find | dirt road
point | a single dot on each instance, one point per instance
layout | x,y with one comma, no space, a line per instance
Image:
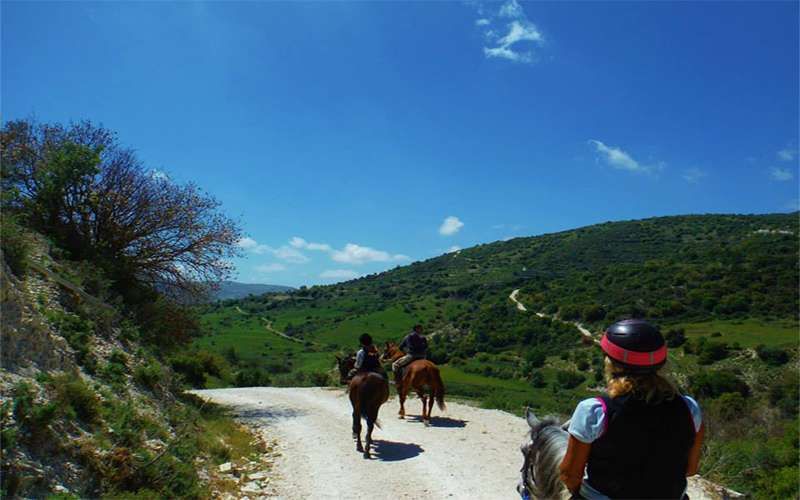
467,452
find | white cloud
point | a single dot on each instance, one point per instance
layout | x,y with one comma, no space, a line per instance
250,245
619,159
299,242
450,226
781,174
270,268
357,254
454,248
285,252
339,274
787,154
520,37
693,175
290,254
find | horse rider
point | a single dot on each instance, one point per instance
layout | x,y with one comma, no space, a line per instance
643,438
367,359
415,346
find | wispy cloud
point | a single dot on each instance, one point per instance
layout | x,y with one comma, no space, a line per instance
509,33
270,268
450,226
357,254
339,274
284,252
693,175
787,154
781,174
298,242
619,159
454,248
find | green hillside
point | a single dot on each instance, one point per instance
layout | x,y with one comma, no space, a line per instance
722,287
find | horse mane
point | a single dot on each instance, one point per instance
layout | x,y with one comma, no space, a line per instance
545,453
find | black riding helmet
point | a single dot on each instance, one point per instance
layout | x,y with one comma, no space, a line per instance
365,339
636,345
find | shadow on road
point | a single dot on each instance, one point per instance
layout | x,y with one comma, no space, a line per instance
390,451
440,421
267,413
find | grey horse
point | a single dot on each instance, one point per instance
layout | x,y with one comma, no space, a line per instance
543,453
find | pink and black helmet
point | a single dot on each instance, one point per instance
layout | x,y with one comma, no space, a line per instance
636,345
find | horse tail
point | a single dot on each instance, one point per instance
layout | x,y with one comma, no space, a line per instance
439,391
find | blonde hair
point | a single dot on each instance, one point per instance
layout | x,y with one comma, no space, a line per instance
652,387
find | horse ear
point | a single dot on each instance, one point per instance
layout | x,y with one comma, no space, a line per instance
531,418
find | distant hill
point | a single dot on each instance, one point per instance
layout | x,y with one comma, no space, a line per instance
236,290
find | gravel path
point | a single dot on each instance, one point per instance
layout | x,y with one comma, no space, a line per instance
466,453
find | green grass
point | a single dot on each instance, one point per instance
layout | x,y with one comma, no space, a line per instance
748,332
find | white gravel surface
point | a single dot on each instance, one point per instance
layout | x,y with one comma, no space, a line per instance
467,452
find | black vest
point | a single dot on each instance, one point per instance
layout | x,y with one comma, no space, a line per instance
371,361
644,450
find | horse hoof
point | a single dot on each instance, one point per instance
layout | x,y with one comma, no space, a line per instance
359,448
427,423
367,455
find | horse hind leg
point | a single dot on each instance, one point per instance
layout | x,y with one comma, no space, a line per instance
357,429
424,400
402,398
370,426
430,406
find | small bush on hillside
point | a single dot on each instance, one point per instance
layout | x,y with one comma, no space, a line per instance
34,418
675,337
784,393
711,384
569,380
537,379
710,352
190,369
78,332
251,377
15,244
76,398
148,375
774,356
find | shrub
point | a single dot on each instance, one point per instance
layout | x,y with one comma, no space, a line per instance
34,418
535,357
190,368
675,337
15,244
148,375
251,377
774,356
710,384
537,379
709,352
569,380
77,398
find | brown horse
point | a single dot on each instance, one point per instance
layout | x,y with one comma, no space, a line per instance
367,391
420,375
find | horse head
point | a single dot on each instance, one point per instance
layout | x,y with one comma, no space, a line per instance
390,352
543,453
345,365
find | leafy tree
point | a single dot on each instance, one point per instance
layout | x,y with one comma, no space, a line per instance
98,202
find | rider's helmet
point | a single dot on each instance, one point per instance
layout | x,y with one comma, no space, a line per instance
636,345
365,339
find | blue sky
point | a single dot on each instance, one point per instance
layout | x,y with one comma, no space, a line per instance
349,138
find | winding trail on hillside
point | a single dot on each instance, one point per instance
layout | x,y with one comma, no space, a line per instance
467,453
521,307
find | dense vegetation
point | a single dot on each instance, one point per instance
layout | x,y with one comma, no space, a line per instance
722,287
91,240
